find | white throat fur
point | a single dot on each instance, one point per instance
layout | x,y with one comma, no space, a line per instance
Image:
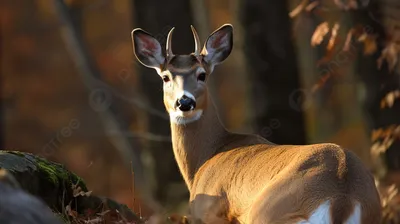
182,118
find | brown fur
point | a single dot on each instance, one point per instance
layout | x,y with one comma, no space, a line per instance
244,178
259,182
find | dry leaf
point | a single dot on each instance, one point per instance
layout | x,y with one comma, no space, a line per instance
77,191
391,131
178,219
389,99
321,82
390,55
333,39
103,213
296,11
312,6
369,41
349,37
95,220
377,148
319,33
390,200
383,138
71,212
305,5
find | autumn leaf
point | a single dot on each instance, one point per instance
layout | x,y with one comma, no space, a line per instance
390,200
95,220
178,219
298,9
381,147
77,191
71,212
333,39
369,41
319,33
390,55
312,6
390,98
321,82
103,213
382,133
318,36
383,139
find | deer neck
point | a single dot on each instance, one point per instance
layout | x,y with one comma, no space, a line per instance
198,141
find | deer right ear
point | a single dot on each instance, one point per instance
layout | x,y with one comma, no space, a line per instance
147,49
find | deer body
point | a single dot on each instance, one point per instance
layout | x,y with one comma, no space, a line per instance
244,178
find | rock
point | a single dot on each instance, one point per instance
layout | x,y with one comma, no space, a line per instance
19,207
47,180
63,191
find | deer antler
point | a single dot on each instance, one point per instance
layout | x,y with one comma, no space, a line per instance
169,42
196,41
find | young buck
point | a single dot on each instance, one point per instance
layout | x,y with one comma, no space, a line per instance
243,178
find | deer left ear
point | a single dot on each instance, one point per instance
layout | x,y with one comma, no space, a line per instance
218,45
147,49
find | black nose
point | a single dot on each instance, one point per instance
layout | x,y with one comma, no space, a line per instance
185,103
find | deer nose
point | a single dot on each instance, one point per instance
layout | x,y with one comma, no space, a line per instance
185,103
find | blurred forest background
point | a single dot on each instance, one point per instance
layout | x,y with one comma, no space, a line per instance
301,72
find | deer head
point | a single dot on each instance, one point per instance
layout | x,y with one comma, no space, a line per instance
184,76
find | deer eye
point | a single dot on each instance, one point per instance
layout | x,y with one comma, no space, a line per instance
202,77
165,78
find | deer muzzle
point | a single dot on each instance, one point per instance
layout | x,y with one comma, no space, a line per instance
185,103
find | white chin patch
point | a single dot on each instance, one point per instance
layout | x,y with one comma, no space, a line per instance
179,117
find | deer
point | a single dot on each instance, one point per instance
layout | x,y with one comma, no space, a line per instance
242,177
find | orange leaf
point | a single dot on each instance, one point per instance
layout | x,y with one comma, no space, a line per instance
390,55
319,34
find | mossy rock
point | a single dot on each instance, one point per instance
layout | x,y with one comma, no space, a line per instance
53,183
47,180
17,206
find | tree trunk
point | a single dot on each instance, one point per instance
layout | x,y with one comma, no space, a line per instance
272,60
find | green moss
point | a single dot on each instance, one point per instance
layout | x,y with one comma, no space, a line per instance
78,181
50,171
57,174
45,179
16,153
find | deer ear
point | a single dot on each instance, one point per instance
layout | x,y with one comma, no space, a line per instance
218,45
147,49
